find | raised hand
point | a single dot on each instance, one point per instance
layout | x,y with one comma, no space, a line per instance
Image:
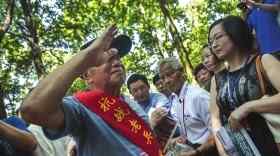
101,45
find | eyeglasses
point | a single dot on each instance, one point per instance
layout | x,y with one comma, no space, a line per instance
216,37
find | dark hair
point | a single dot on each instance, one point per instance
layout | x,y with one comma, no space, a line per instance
156,78
135,77
199,67
238,31
205,46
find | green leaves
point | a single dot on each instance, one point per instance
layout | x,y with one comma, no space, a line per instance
158,28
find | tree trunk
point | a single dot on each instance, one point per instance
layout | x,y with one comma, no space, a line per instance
33,40
182,51
3,113
8,18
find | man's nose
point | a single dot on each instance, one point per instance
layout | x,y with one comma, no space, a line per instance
166,81
116,62
139,93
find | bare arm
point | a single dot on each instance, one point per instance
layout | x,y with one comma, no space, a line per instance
268,104
264,105
43,105
20,139
215,117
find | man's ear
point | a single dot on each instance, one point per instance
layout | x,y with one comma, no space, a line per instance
87,76
84,76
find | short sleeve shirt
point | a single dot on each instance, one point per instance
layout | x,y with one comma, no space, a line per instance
266,27
93,136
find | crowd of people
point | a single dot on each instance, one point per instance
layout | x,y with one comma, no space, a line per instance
233,111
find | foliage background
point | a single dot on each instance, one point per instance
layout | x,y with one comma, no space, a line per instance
38,35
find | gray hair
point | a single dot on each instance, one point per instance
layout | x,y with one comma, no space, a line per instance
172,62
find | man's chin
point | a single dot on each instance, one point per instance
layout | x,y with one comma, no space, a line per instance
172,89
119,81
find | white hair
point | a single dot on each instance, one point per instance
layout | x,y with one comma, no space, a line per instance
172,62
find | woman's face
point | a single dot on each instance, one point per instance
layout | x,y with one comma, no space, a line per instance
209,60
220,42
203,76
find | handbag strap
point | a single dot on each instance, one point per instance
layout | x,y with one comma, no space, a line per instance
261,75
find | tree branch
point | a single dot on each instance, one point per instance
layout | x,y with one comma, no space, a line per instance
8,19
175,33
3,113
34,39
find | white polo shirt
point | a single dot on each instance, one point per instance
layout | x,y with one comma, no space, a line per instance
191,109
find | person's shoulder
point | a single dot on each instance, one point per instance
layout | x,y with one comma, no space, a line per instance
269,62
128,99
158,95
70,99
11,118
14,120
131,102
197,93
267,57
271,1
199,97
72,107
72,102
33,128
135,107
196,90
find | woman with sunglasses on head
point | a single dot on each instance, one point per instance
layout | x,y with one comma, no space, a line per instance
235,91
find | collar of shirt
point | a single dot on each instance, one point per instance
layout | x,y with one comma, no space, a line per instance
183,91
147,104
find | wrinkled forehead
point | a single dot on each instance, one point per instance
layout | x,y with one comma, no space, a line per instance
165,68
